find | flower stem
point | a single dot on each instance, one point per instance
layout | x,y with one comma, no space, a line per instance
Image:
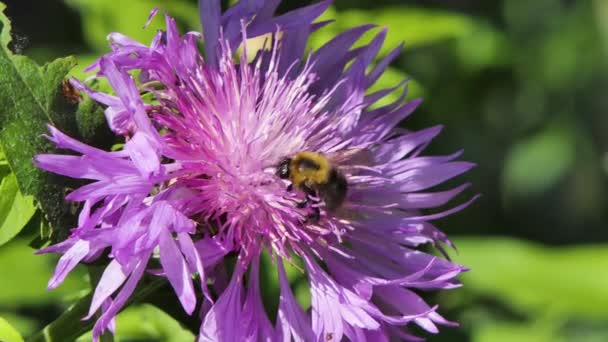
69,326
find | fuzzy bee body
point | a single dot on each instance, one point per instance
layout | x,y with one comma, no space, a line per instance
314,174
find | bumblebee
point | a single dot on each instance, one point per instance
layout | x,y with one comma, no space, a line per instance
315,175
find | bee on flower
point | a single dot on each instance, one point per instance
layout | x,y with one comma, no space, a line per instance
277,151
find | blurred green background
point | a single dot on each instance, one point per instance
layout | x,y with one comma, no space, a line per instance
521,85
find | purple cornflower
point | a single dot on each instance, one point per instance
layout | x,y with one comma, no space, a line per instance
196,186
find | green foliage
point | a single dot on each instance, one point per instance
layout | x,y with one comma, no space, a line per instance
507,332
15,209
32,99
29,101
414,26
392,77
84,61
100,17
8,333
269,284
5,32
567,281
270,287
521,291
147,323
69,326
483,47
29,275
538,162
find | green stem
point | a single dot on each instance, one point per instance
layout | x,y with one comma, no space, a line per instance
69,326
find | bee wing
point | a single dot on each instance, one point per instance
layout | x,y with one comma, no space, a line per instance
352,156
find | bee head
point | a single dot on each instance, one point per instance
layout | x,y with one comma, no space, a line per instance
283,168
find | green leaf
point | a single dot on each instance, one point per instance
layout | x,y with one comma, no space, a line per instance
5,27
69,326
5,170
83,62
484,47
150,323
536,164
8,333
392,77
24,325
544,331
30,98
29,274
533,279
147,323
301,291
15,209
100,17
414,26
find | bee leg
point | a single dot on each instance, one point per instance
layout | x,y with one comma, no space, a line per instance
314,216
308,198
308,191
302,204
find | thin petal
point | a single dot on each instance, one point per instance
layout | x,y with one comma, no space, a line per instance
175,268
106,319
68,261
112,278
210,13
222,321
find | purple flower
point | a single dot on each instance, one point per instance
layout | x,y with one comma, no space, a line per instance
196,181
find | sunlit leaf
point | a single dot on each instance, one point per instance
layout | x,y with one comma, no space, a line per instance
147,323
521,332
392,77
5,32
414,26
83,62
69,325
302,293
150,323
15,209
24,325
25,277
568,281
8,333
100,17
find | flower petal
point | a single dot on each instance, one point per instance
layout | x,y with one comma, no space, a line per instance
292,322
177,271
112,278
68,261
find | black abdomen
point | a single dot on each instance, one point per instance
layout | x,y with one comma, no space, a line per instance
334,191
